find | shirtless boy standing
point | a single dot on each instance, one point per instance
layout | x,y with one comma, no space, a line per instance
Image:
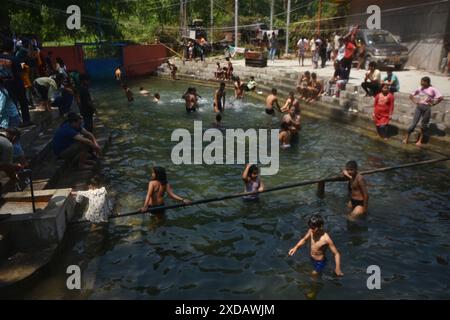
359,196
219,99
293,121
191,100
271,102
320,240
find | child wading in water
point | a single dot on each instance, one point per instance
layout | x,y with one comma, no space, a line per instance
383,109
320,240
128,93
252,182
359,196
157,188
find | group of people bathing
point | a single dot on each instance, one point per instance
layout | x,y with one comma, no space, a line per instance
159,186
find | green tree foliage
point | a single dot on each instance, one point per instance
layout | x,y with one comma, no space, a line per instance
144,20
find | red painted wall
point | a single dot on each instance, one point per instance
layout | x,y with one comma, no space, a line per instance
140,60
72,56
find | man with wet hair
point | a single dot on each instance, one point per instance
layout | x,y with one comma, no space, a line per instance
320,240
219,99
271,102
359,196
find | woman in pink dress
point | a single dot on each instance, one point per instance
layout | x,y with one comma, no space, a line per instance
383,109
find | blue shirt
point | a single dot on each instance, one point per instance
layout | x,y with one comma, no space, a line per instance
395,82
64,138
7,108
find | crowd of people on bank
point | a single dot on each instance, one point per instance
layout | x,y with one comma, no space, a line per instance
31,78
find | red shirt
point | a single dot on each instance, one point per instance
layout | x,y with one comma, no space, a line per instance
383,108
349,50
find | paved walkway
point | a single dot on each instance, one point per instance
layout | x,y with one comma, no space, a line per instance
409,79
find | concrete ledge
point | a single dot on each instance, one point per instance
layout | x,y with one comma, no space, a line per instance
44,227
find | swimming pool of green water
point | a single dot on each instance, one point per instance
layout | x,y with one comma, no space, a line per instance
238,250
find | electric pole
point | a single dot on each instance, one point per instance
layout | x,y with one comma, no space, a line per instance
271,14
319,17
236,11
212,23
288,21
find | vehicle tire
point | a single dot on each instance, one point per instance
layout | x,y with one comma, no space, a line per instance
400,67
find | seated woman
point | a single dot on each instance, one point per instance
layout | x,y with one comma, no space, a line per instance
315,90
157,188
285,136
252,181
304,81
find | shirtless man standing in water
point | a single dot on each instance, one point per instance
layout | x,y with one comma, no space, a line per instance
293,121
219,99
320,240
191,100
291,101
271,102
359,200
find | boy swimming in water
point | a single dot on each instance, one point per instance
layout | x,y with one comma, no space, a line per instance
320,240
157,188
359,196
252,182
144,92
156,98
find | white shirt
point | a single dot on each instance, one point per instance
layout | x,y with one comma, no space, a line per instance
99,207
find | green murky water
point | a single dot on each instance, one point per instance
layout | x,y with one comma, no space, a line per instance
236,250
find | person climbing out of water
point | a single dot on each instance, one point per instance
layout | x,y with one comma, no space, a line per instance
252,182
285,136
272,102
173,68
99,207
359,196
424,98
383,109
291,101
157,188
144,92
320,240
190,99
219,98
128,93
